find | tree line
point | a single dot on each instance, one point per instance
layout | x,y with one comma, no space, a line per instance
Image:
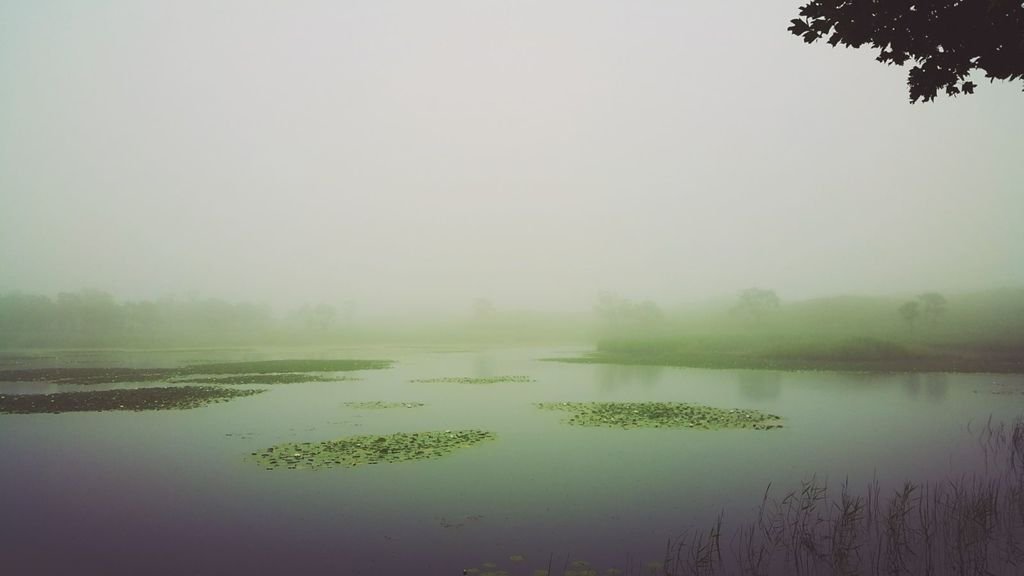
95,318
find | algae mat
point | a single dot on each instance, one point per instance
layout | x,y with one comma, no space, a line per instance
359,450
661,415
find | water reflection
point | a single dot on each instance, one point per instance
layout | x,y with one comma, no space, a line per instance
483,365
759,385
934,386
617,376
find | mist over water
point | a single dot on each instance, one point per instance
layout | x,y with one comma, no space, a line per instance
412,157
392,286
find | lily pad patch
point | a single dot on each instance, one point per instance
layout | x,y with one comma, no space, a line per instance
627,415
362,450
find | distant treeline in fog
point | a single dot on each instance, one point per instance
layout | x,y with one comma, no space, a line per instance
930,331
94,319
90,318
752,323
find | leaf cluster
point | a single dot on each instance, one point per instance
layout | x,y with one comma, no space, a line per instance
945,39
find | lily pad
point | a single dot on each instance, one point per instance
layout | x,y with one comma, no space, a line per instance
661,415
364,450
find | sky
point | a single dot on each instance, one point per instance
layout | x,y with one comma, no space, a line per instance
409,156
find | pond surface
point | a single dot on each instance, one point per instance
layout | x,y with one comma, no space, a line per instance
175,492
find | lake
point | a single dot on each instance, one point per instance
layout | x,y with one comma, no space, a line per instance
172,492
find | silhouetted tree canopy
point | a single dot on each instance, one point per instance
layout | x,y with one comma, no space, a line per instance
946,39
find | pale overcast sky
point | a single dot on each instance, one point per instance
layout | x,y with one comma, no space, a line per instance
411,155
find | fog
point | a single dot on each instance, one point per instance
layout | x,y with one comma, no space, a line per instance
410,157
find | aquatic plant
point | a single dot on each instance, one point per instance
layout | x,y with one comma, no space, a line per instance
379,405
84,376
285,366
284,378
971,525
359,450
661,415
259,372
473,379
136,399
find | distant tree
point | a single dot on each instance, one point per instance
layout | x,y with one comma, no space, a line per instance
611,308
320,317
933,304
483,309
910,311
619,312
324,316
946,39
647,312
755,303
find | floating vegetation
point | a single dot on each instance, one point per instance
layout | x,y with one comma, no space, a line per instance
84,375
473,380
137,399
661,415
357,450
260,372
379,405
286,366
285,378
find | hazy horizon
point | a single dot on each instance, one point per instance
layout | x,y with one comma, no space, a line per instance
412,157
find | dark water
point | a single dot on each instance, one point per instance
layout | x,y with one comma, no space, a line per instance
172,493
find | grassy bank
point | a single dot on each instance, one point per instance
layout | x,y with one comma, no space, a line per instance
979,332
782,352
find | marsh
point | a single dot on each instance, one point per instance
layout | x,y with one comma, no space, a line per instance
119,489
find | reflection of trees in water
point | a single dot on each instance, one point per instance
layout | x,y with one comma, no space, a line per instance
934,385
614,376
483,365
759,384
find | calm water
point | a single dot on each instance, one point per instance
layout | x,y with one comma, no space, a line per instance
172,493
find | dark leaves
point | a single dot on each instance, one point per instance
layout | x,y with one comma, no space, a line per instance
798,27
947,41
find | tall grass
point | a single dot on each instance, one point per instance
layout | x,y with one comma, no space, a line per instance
972,525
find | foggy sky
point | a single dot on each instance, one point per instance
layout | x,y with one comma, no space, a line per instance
412,155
